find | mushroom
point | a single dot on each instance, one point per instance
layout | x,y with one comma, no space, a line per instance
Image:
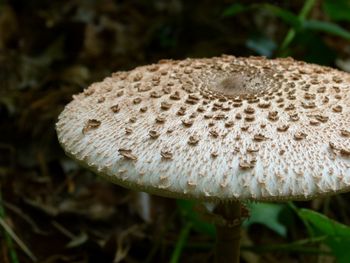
287,138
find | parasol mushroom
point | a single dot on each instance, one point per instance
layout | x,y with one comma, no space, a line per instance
222,130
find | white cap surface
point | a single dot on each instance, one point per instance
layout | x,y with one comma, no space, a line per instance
223,128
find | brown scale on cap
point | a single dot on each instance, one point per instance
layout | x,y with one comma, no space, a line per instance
263,115
133,119
283,128
229,124
153,134
219,116
214,154
101,99
249,118
138,76
273,115
321,118
246,164
342,150
143,109
115,108
166,90
337,109
188,88
308,105
144,88
345,133
245,128
182,111
201,109
249,110
208,116
192,99
160,118
128,130
300,136
153,68
314,122
175,96
136,100
156,94
259,137
345,152
127,153
193,140
164,105
280,100
91,125
238,116
88,92
187,122
251,149
214,133
156,79
325,100
294,117
166,154
336,89
309,96
321,89
264,105
193,115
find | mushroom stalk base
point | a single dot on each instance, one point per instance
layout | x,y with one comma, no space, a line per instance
228,236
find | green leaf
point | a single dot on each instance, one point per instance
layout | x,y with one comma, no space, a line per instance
234,9
285,15
338,234
337,10
328,27
267,214
186,208
324,224
314,48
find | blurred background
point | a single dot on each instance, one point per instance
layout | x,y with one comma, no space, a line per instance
53,210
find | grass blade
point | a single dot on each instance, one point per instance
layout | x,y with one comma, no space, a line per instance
180,244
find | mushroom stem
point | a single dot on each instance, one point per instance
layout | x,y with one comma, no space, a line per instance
228,235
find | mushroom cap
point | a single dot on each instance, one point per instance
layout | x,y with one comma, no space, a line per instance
222,128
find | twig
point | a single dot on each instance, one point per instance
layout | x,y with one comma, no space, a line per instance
17,240
63,230
16,210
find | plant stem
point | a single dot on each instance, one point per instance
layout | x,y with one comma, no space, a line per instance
308,4
181,242
8,240
228,236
